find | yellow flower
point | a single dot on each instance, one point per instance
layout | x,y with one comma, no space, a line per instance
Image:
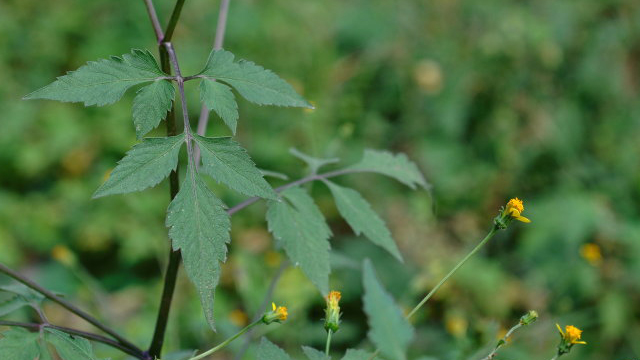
277,314
591,252
515,208
332,312
571,335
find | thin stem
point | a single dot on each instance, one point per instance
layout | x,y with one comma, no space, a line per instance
95,337
444,279
203,120
328,346
502,342
151,10
155,349
173,21
263,307
67,305
226,342
555,357
304,180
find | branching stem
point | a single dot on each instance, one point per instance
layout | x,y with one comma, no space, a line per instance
226,342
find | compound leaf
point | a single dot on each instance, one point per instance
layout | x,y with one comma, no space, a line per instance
389,330
362,219
151,104
252,81
297,223
104,81
396,166
226,161
145,165
269,351
219,98
12,304
199,227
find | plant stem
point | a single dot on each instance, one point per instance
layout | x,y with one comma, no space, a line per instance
502,342
67,305
444,279
173,21
226,342
203,120
265,303
328,346
154,20
95,337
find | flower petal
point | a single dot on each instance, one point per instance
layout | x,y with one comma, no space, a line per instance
523,219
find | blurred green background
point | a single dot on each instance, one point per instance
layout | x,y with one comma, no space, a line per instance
492,99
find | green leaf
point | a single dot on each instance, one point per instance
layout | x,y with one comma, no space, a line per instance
389,329
69,347
145,165
297,224
396,166
269,351
12,304
151,105
219,98
104,81
356,354
19,344
362,219
26,294
199,226
253,82
314,354
226,161
314,163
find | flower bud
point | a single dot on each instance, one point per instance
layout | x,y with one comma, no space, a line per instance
529,318
332,312
512,211
568,338
277,314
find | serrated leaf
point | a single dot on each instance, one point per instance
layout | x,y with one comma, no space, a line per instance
389,330
219,98
226,161
362,219
199,227
104,81
314,354
252,81
151,104
269,351
145,165
297,224
69,347
19,344
397,166
314,163
356,354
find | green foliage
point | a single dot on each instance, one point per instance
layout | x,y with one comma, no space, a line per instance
397,166
226,161
314,354
102,82
219,98
199,227
389,329
314,163
356,354
18,297
20,344
252,81
145,165
269,351
299,226
362,219
151,104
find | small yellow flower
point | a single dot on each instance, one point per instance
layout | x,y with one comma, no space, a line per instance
515,208
277,314
571,335
591,252
332,312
